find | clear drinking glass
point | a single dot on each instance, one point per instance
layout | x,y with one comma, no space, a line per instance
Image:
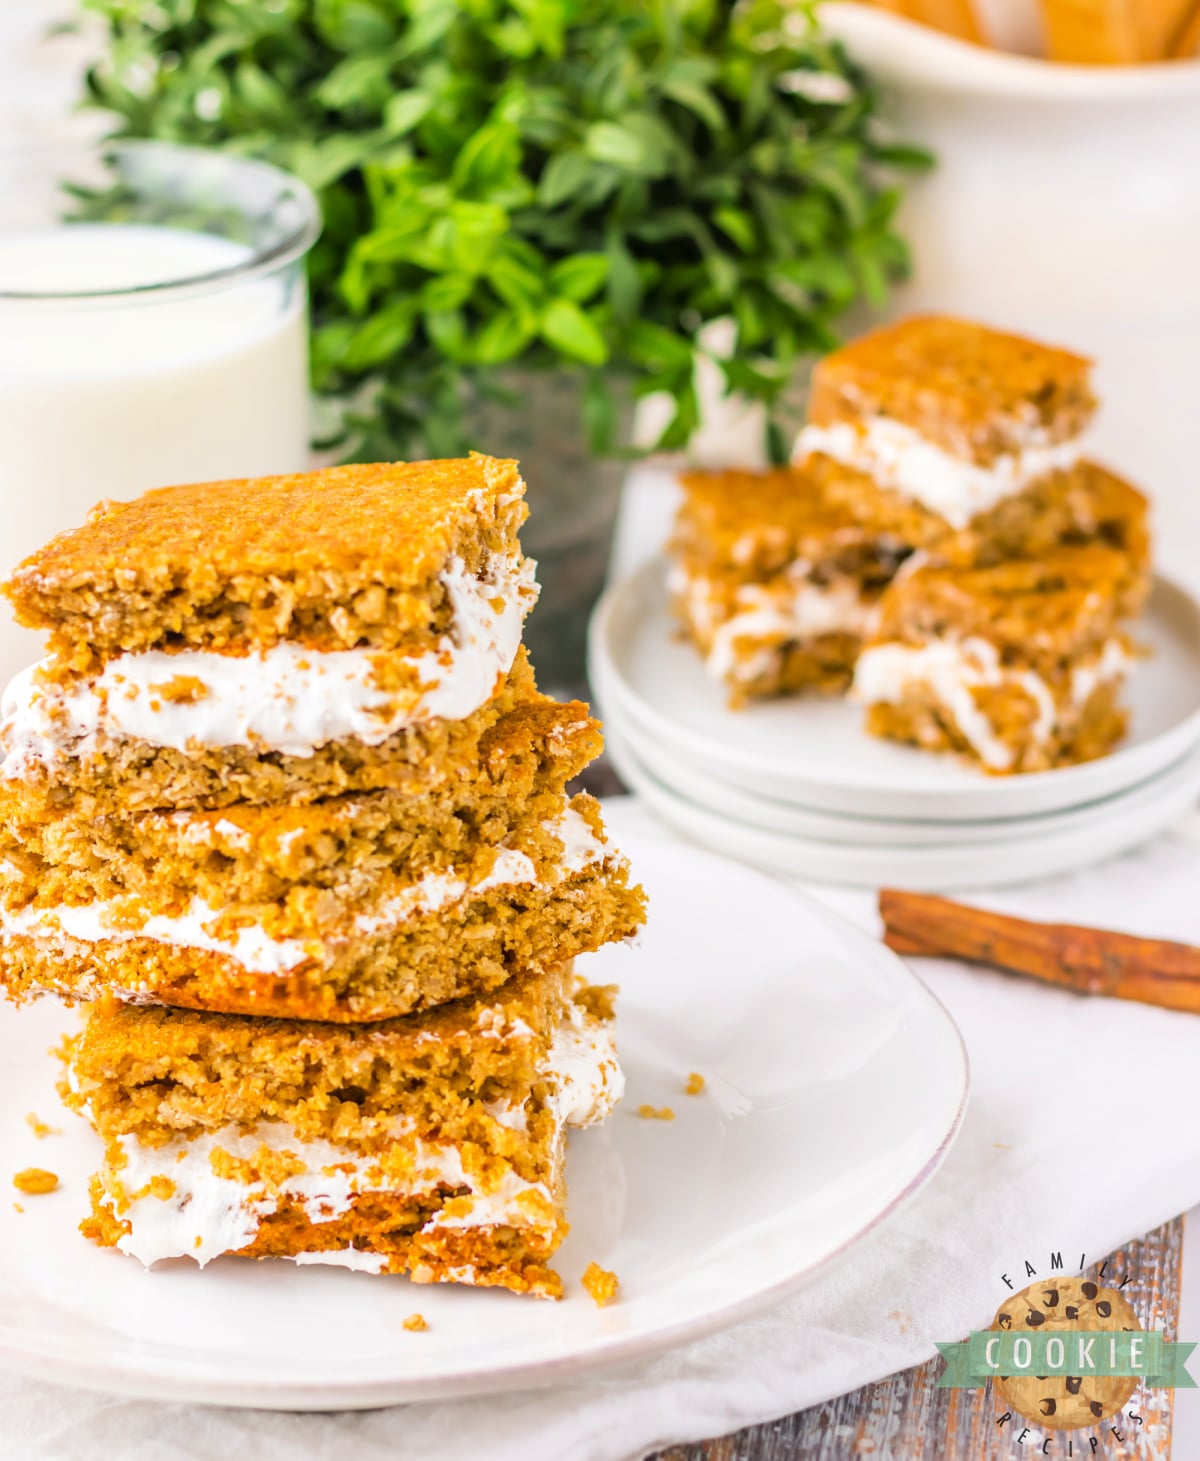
153,330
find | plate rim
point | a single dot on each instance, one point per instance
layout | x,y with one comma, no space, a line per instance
1049,790
626,731
123,1376
917,878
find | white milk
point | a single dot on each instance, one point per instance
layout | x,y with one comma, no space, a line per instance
104,399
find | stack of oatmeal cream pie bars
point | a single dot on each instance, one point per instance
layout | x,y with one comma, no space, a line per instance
284,809
940,548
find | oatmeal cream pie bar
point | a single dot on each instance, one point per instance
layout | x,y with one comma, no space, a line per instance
290,637
1018,666
774,579
431,1145
937,423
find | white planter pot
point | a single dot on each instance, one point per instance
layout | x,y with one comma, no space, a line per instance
1065,204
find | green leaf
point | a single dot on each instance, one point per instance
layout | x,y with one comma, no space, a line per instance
354,82
514,38
700,100
565,326
779,445
516,282
351,25
431,22
394,243
491,155
448,331
624,280
329,346
562,177
322,163
659,350
723,272
504,337
641,144
688,81
475,232
447,292
607,142
580,277
404,111
259,92
737,224
379,338
679,429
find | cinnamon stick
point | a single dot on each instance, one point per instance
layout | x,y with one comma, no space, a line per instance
1089,960
900,943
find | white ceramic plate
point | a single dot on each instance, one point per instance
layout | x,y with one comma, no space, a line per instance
1126,822
678,774
836,1084
814,753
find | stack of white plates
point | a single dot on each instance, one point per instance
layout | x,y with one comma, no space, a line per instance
797,786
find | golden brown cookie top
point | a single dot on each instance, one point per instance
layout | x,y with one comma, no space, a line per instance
1059,604
346,556
401,517
973,390
757,522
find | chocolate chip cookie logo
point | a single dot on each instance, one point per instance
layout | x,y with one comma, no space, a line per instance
1077,1313
1065,1354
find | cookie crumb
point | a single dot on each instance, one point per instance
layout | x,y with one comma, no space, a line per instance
41,1128
182,690
35,1179
656,1113
695,1084
600,1284
416,1323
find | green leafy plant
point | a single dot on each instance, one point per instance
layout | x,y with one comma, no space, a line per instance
536,183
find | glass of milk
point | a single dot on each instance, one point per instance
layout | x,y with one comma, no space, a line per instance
153,330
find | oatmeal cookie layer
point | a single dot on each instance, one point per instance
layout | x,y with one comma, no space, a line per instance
1041,612
346,846
164,1075
761,669
975,392
1079,733
1077,508
346,557
749,527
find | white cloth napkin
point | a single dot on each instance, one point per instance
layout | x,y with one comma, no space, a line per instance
1077,1138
